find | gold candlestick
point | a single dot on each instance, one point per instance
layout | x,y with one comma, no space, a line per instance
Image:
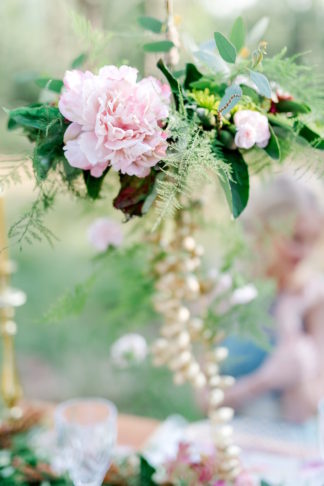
11,390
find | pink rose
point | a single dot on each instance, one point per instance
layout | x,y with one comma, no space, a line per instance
245,137
105,232
252,128
116,121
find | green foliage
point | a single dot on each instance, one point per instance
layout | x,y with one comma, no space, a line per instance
225,48
158,46
189,161
262,83
292,106
71,303
273,147
237,36
12,171
151,23
79,60
146,473
30,226
246,320
122,279
192,75
51,84
173,82
231,97
313,138
94,184
305,83
237,186
21,466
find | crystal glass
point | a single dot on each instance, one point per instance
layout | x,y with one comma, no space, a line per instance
86,432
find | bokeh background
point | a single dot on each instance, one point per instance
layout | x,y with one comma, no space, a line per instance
40,38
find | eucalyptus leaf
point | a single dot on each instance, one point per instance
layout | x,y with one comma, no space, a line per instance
257,32
213,61
273,147
251,93
51,84
237,36
158,46
225,48
232,96
262,83
151,23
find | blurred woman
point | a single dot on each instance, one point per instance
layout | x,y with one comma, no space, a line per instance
285,221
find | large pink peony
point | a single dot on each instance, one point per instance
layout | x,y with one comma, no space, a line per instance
116,120
252,129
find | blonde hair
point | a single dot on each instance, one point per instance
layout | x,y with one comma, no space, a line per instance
281,199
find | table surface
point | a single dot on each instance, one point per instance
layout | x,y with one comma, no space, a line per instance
135,431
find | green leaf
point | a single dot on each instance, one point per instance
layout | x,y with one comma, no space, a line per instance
225,48
273,147
291,106
313,138
262,83
146,473
237,36
192,75
173,82
158,46
251,93
94,184
151,23
79,61
231,97
38,116
51,84
239,182
214,62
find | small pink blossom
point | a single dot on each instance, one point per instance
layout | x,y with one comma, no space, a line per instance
116,120
252,128
105,232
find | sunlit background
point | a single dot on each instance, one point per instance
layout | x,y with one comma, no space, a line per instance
41,38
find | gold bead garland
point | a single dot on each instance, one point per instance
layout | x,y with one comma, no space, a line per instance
178,287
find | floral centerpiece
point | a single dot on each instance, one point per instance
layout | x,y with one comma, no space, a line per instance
223,115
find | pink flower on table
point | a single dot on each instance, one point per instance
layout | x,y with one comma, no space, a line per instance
116,120
105,232
252,129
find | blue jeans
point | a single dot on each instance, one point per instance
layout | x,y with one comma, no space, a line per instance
245,357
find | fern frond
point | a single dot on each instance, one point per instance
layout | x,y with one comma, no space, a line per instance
12,171
30,226
304,82
189,162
